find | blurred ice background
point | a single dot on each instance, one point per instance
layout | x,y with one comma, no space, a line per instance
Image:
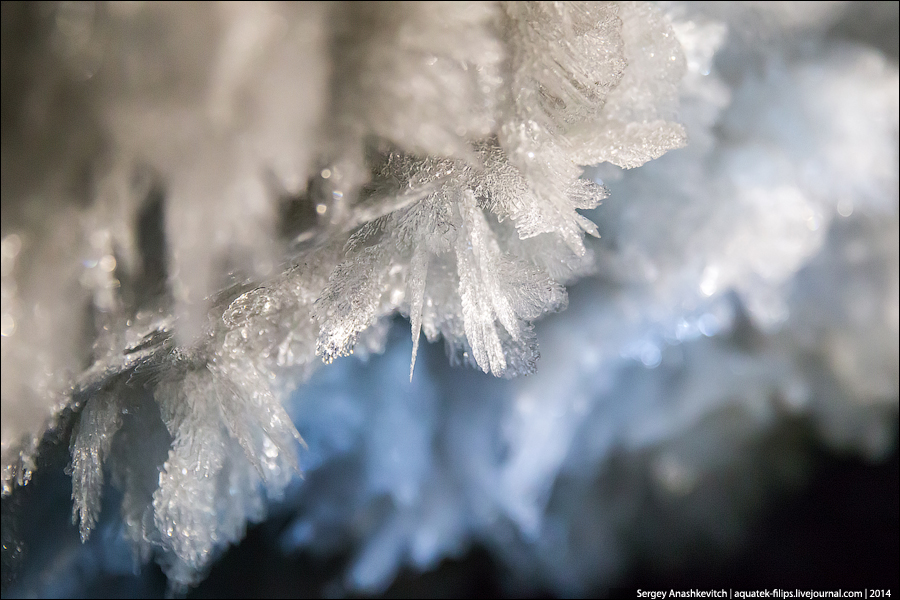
744,311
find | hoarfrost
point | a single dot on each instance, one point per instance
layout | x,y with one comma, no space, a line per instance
268,184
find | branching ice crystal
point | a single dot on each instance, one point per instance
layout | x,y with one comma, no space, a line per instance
203,202
298,174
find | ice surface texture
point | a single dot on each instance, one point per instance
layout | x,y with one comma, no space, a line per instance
199,201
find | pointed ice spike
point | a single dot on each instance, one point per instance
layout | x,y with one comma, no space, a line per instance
416,287
412,362
90,447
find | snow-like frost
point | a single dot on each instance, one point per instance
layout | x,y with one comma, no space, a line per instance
298,174
388,265
270,183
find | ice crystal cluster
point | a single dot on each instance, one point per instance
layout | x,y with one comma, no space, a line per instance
201,203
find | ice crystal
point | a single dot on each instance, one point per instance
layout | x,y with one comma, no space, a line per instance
473,282
562,61
201,202
417,158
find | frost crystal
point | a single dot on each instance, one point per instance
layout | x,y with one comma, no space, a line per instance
441,182
201,203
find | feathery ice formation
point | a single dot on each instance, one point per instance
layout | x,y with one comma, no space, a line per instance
201,202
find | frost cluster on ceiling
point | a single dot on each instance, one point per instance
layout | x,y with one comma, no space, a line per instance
201,203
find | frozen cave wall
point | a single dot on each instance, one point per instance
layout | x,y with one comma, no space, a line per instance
201,203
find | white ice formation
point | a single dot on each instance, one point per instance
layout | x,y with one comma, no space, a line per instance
201,200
